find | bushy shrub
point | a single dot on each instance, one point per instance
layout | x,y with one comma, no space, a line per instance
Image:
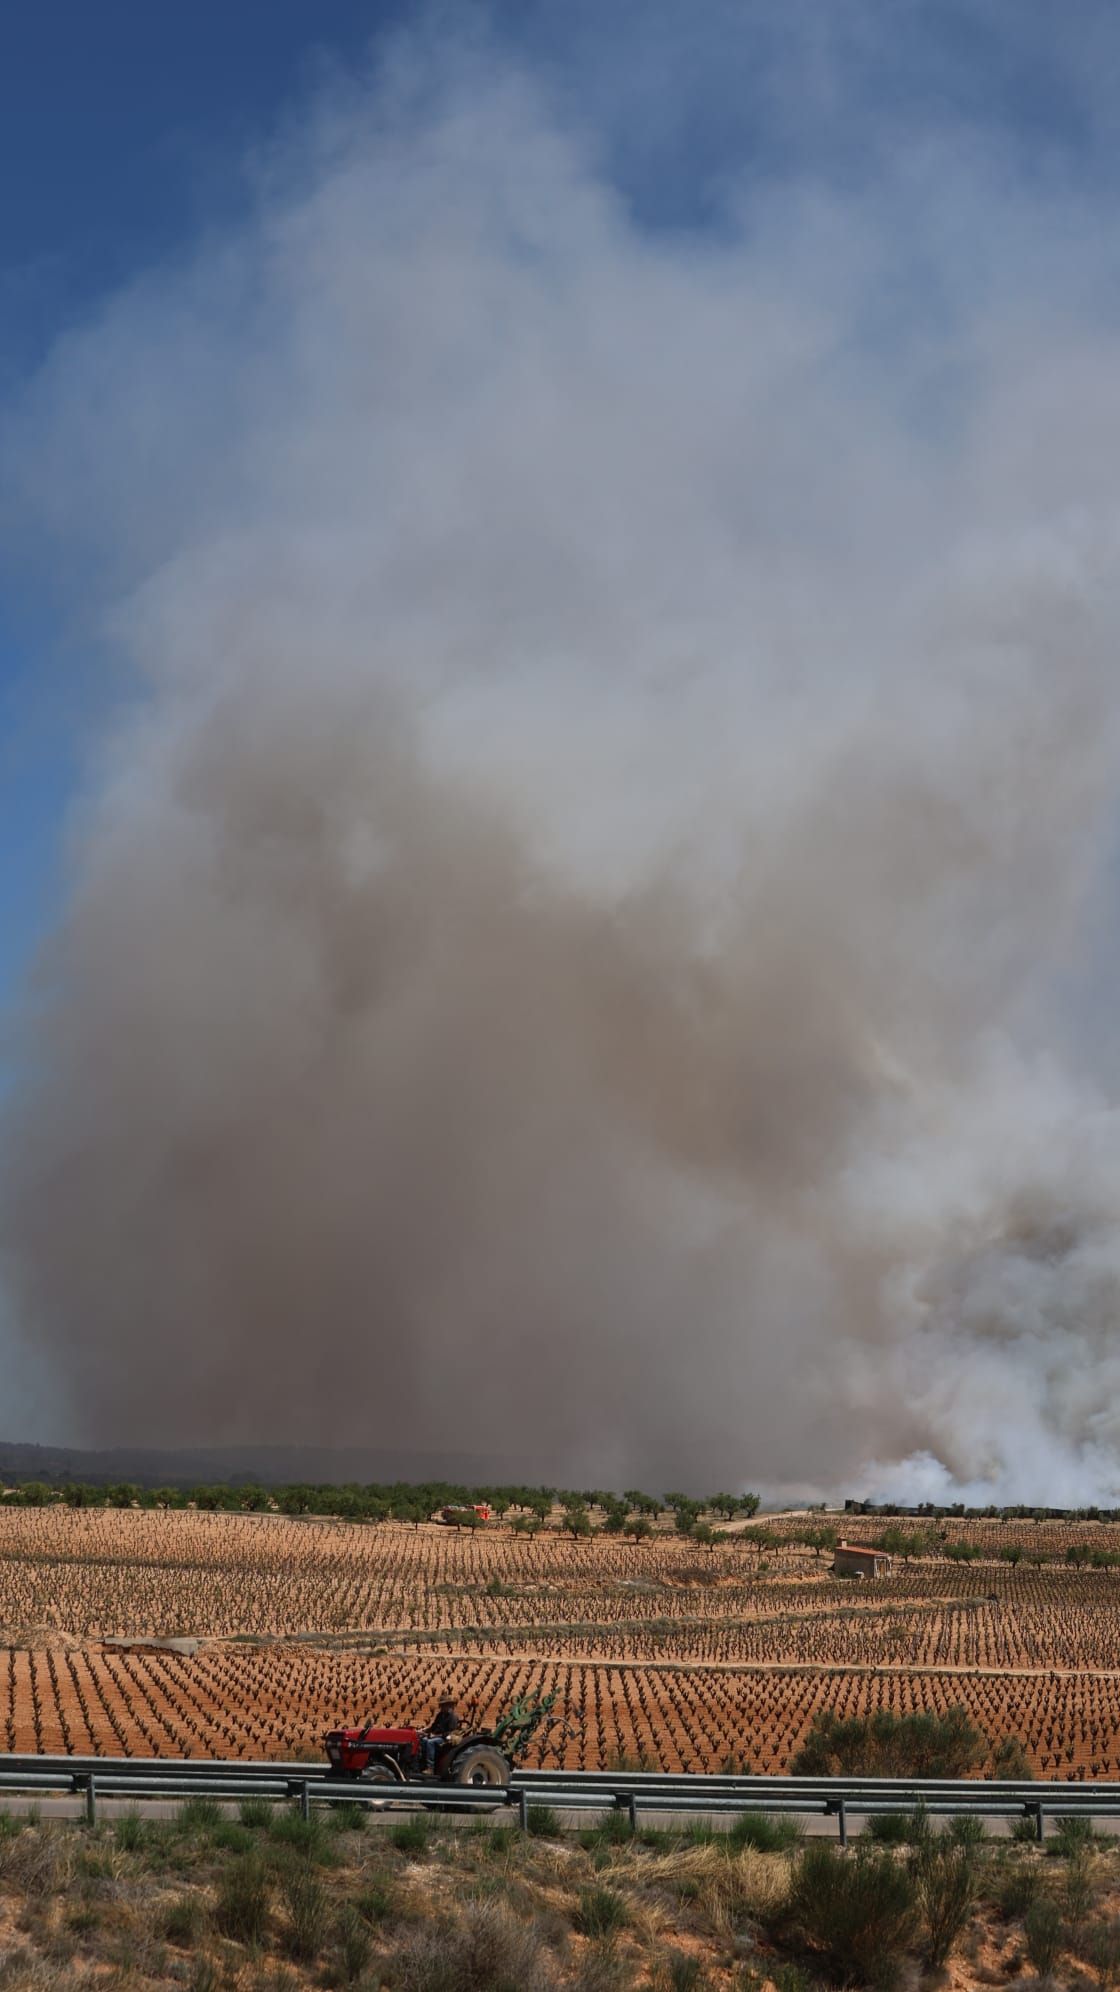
40,1862
883,1745
308,1837
183,1921
946,1880
256,1813
1102,1949
966,1829
681,1971
355,1942
1044,1935
305,1904
768,1833
858,1911
129,1831
198,1815
543,1822
791,1977
1071,1837
1018,1889
1079,1893
1010,1761
411,1835
612,1831
600,1912
242,1905
486,1949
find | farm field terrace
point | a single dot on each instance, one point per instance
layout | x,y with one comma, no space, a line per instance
662,1652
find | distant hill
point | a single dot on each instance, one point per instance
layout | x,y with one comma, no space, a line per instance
236,1466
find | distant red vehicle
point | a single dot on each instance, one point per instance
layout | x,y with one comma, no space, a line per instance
452,1514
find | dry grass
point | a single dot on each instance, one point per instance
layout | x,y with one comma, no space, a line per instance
510,1915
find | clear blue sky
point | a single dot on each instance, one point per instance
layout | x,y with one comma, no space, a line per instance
124,125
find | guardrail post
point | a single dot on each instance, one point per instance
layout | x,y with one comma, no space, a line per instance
91,1801
523,1810
304,1801
633,1811
1039,1828
842,1816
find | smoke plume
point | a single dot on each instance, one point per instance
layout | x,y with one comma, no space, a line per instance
582,941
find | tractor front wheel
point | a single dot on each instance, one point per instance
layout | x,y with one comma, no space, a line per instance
482,1764
380,1771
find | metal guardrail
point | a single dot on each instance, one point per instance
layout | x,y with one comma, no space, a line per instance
652,1793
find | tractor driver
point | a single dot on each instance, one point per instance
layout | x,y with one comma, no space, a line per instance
443,1724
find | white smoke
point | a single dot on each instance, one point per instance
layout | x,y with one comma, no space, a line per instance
574,943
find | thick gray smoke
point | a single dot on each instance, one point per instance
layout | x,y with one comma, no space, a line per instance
578,947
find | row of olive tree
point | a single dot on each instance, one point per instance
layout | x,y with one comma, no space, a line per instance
526,1506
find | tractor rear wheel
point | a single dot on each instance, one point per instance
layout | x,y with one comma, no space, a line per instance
482,1764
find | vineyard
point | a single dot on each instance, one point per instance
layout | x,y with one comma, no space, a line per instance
661,1652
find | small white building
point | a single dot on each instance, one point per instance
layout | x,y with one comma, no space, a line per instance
855,1559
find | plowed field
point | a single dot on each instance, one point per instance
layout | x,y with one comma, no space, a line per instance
662,1653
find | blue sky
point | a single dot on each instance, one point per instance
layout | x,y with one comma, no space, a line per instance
124,128
124,134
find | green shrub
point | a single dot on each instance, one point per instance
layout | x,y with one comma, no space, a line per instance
348,1818
681,1971
1025,1831
241,1908
1102,1949
1017,1891
858,1911
495,1839
303,1836
1010,1762
256,1813
198,1815
612,1831
183,1921
543,1822
790,1977
1070,1837
966,1829
129,1831
410,1836
888,1829
883,1745
375,1901
769,1833
600,1912
1078,1893
1044,1935
355,1942
305,1904
230,1837
946,1880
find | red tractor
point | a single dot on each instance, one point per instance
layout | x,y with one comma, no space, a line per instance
397,1756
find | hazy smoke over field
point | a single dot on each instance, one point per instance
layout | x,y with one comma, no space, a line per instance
583,944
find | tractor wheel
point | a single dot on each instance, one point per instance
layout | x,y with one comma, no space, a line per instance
380,1771
482,1764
